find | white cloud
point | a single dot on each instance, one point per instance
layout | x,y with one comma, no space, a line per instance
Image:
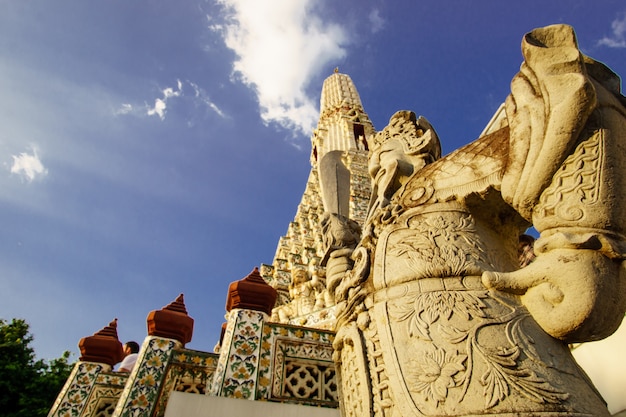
199,98
281,45
159,108
202,96
618,40
377,23
160,104
125,108
28,166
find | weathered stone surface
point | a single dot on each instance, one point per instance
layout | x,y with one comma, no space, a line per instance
437,316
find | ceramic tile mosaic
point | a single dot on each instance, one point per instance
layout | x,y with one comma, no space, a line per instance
222,362
236,372
73,397
296,365
141,393
105,394
188,371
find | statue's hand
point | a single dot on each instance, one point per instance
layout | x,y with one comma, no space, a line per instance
338,264
574,295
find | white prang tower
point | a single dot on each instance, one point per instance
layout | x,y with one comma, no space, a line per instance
338,183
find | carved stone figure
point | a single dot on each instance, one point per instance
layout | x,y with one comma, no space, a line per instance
435,315
407,144
302,292
341,235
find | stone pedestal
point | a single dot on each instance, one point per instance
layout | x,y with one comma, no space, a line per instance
168,329
249,303
237,369
139,398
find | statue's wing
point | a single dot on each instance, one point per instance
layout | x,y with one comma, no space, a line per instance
473,168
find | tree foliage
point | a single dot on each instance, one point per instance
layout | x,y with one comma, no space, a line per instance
28,387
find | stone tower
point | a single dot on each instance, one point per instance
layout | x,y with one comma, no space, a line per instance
339,184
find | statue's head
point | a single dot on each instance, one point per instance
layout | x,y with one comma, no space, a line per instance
406,138
406,145
415,134
299,276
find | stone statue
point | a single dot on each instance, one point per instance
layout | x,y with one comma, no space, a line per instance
302,292
435,317
340,235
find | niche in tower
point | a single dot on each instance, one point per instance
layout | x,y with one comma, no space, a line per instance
359,136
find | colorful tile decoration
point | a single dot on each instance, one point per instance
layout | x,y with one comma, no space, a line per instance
105,394
142,390
270,361
73,396
216,383
236,372
259,360
188,371
295,365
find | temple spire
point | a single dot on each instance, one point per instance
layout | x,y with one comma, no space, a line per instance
343,127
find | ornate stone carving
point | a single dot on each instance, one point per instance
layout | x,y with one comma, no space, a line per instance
446,310
407,144
565,172
295,364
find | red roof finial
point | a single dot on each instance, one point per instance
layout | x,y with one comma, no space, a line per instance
103,347
251,293
171,322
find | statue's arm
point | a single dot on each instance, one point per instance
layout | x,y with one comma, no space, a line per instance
564,174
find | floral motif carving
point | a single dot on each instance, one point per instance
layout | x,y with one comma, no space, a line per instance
437,371
241,371
188,371
452,357
106,392
423,309
438,246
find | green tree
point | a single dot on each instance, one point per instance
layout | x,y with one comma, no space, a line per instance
28,387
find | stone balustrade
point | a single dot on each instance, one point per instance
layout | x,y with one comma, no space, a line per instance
258,360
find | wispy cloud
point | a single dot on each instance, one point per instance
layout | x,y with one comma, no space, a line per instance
160,104
28,166
376,21
280,45
618,38
125,108
203,98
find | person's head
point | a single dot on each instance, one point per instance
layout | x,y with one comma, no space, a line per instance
131,347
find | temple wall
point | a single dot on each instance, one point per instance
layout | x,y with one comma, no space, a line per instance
190,405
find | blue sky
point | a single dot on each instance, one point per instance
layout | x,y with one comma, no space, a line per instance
154,148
